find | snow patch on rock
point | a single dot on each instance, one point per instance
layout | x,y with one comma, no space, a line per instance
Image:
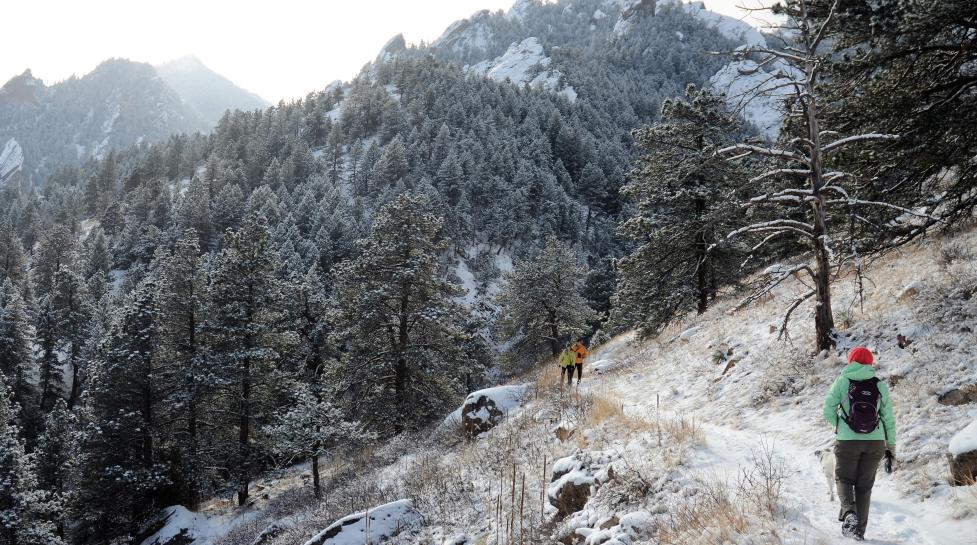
516,64
467,34
757,94
965,440
11,159
370,527
525,63
196,528
732,28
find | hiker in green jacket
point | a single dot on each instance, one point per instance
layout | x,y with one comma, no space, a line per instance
566,361
858,406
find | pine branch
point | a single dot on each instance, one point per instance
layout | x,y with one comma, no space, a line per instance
769,152
838,144
788,225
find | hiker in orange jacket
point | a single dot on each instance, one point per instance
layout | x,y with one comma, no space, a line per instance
579,350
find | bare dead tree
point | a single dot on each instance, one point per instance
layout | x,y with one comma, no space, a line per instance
805,178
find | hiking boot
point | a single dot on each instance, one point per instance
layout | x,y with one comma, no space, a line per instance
849,525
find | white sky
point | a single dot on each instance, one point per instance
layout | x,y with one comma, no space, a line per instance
279,49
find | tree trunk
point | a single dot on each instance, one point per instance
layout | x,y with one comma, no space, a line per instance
147,417
401,372
824,324
554,333
701,268
193,490
243,437
316,490
75,379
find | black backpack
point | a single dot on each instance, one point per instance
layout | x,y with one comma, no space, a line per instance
863,402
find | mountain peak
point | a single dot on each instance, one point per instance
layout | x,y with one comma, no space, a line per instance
22,89
206,91
186,62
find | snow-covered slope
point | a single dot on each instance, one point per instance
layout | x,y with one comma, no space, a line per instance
11,160
467,35
525,63
371,527
118,104
756,93
730,27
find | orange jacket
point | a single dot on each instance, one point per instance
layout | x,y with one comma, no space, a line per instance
580,350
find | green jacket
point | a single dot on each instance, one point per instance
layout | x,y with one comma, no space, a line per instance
838,395
567,358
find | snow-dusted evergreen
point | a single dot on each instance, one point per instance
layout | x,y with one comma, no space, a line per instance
254,336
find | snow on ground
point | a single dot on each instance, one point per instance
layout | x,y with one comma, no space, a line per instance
773,396
369,527
201,528
720,431
965,440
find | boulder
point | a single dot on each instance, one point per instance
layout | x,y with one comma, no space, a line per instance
485,409
959,396
575,478
963,456
963,469
384,522
563,432
910,291
480,415
569,495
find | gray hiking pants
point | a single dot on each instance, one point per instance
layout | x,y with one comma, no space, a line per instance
855,465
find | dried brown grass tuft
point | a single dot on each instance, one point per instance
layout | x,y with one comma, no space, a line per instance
710,517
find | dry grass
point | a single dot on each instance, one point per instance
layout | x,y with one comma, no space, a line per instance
710,517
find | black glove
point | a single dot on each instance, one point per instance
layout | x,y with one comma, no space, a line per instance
889,457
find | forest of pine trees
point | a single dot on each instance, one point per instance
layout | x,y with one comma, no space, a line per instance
178,318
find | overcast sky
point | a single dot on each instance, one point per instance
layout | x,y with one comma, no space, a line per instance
280,49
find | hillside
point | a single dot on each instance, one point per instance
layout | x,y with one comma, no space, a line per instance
332,321
734,460
118,105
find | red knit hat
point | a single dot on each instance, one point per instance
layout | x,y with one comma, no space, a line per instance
861,355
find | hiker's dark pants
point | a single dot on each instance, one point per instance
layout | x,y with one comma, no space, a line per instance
855,465
568,371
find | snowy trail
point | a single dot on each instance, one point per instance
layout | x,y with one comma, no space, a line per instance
731,446
813,516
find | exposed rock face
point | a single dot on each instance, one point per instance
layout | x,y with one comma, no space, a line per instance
963,469
485,409
571,495
479,415
575,478
959,396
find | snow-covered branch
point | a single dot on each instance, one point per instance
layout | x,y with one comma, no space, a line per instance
837,144
781,224
862,202
769,152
